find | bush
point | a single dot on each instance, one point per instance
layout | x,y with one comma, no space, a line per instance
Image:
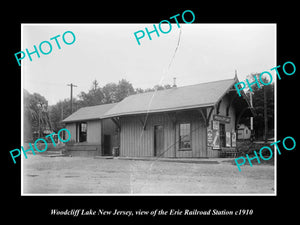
247,147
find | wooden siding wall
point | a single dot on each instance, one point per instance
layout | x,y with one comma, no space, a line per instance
84,149
72,128
94,143
92,146
94,131
109,128
136,142
198,134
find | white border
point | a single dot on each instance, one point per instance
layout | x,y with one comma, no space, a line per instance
211,194
22,110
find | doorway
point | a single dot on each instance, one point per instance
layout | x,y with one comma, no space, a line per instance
222,135
106,144
158,140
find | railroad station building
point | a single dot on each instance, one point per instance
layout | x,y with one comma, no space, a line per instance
190,121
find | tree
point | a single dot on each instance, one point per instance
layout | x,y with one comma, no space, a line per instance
36,115
93,97
124,89
139,90
258,104
117,92
110,93
158,88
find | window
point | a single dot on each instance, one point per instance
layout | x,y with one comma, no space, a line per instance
82,127
222,135
184,136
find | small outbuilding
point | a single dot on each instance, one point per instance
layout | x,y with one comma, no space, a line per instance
243,132
91,134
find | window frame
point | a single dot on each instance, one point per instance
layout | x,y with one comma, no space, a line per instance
80,134
190,137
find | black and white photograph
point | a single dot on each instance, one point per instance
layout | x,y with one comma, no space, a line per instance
131,109
149,113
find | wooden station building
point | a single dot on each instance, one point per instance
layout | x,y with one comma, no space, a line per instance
190,121
91,135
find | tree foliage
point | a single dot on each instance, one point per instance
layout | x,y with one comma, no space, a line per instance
93,97
36,115
96,95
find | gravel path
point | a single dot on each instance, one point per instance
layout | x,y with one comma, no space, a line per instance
82,175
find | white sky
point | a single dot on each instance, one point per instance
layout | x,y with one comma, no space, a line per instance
109,52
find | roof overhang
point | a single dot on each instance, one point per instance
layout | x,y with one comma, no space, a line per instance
160,110
243,96
80,120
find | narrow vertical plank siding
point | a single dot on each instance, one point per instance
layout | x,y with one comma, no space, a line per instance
136,142
94,131
169,147
198,135
72,128
198,138
92,146
109,128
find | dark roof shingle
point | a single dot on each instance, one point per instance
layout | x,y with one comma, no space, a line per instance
89,113
186,97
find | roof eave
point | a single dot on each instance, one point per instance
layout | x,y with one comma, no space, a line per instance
158,110
78,120
243,95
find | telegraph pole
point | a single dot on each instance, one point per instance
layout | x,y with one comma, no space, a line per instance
265,114
71,98
251,118
62,111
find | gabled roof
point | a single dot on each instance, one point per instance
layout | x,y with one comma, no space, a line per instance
89,113
187,97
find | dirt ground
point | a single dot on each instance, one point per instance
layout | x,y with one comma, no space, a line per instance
82,175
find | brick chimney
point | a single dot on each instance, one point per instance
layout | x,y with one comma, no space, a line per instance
174,82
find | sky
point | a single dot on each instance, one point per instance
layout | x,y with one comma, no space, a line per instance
110,52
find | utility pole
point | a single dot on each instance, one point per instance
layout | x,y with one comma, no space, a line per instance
71,98
265,114
251,118
62,111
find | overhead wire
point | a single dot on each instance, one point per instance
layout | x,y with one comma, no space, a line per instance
149,105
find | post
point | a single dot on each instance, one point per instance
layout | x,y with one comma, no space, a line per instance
265,114
71,97
39,124
251,118
62,111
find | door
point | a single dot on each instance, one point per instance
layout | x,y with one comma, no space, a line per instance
158,140
222,135
106,145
